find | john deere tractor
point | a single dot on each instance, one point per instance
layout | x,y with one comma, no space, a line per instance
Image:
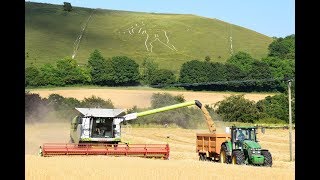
243,148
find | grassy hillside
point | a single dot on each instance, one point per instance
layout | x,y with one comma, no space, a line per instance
169,39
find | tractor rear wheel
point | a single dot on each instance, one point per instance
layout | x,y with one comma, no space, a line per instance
223,155
267,158
238,157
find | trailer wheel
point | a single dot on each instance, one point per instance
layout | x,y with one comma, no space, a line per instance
205,157
223,155
202,157
238,157
267,158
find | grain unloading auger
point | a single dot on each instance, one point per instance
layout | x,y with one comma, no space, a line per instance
97,131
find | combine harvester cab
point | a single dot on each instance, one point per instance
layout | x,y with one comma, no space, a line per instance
96,125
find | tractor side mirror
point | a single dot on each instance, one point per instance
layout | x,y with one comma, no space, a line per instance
228,130
263,130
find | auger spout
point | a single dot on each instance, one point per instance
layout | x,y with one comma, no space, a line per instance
208,118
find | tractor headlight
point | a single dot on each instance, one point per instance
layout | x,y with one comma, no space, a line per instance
255,151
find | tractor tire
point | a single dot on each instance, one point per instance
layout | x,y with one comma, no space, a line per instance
223,154
267,158
238,157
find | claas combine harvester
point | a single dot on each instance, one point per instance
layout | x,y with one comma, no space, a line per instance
97,131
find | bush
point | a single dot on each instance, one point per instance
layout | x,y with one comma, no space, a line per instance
237,108
96,102
35,107
71,73
32,76
100,69
49,75
63,107
270,120
67,6
165,99
276,106
162,76
183,117
126,71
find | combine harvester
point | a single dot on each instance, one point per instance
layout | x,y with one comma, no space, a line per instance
97,131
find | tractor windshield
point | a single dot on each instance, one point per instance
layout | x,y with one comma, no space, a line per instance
246,134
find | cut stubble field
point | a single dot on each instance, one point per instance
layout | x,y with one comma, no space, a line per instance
183,162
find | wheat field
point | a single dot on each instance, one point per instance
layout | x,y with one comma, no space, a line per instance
183,162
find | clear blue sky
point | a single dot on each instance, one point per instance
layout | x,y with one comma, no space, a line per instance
268,17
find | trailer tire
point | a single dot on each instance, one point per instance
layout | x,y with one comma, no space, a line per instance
205,157
238,157
223,154
267,158
202,157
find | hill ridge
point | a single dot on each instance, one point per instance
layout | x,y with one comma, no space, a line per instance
173,39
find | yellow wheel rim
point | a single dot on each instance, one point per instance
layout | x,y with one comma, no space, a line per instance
223,157
234,160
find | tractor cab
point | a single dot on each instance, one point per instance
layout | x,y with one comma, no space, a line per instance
243,133
240,134
245,148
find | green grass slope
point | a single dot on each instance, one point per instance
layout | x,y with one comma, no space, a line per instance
169,39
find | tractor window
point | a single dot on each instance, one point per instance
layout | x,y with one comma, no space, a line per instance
252,135
244,134
241,134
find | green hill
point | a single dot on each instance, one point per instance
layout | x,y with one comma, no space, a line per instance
169,39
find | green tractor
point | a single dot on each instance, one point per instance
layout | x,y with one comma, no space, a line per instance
243,148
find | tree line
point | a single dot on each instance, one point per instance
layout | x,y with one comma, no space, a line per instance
241,72
38,108
235,108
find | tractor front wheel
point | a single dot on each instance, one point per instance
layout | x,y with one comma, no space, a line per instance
267,158
238,157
